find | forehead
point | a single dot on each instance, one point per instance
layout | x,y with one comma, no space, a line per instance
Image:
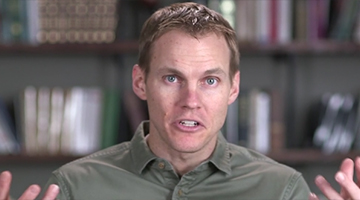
179,48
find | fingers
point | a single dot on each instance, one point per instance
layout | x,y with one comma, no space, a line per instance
5,182
348,184
347,167
51,192
34,190
326,188
31,192
313,196
357,170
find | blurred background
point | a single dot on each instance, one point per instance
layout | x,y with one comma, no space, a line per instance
65,81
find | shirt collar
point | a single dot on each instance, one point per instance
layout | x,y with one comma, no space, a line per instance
221,155
140,151
142,155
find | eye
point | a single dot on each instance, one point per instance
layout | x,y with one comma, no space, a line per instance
211,81
171,78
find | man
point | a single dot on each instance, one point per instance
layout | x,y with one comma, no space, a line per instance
188,74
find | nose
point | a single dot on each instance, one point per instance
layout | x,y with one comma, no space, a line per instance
190,96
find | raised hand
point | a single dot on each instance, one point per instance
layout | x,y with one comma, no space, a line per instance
30,193
350,189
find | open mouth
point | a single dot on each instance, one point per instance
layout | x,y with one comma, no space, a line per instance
189,123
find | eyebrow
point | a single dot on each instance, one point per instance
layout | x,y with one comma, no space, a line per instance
217,70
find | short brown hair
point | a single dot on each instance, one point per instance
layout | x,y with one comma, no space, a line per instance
192,18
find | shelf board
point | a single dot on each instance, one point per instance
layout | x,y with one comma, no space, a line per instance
37,159
308,156
301,48
99,49
289,156
295,48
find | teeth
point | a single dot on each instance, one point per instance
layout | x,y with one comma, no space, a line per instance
189,123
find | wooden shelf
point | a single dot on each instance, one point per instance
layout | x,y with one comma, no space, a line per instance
291,156
306,156
301,48
100,49
297,48
37,159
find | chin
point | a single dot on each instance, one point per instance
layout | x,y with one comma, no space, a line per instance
187,148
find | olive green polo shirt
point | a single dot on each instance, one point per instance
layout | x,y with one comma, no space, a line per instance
130,171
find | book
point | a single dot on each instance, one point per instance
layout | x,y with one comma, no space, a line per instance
300,21
68,122
43,119
241,21
28,116
277,123
259,129
66,21
8,141
347,138
283,21
13,14
345,22
82,121
274,11
341,135
57,101
244,117
262,22
356,144
110,117
32,11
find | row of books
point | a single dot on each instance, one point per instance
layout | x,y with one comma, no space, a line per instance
256,120
283,21
338,128
81,120
66,121
58,21
93,21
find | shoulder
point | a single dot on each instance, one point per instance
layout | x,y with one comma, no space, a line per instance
114,156
263,172
76,178
249,160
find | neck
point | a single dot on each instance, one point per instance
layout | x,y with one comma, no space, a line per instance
182,162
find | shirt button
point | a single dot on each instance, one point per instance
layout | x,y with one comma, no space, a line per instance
161,165
180,192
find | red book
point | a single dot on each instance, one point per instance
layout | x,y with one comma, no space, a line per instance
273,21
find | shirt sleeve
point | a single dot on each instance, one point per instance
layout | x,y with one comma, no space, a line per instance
297,189
56,178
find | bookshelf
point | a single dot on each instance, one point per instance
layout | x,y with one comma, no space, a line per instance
99,49
310,156
21,159
300,67
290,156
323,47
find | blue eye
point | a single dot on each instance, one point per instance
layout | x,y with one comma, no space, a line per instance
171,78
211,81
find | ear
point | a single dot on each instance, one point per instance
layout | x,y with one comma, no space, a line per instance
235,88
138,82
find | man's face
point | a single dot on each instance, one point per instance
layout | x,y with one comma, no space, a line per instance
188,90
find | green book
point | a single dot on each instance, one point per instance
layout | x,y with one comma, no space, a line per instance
13,21
111,117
